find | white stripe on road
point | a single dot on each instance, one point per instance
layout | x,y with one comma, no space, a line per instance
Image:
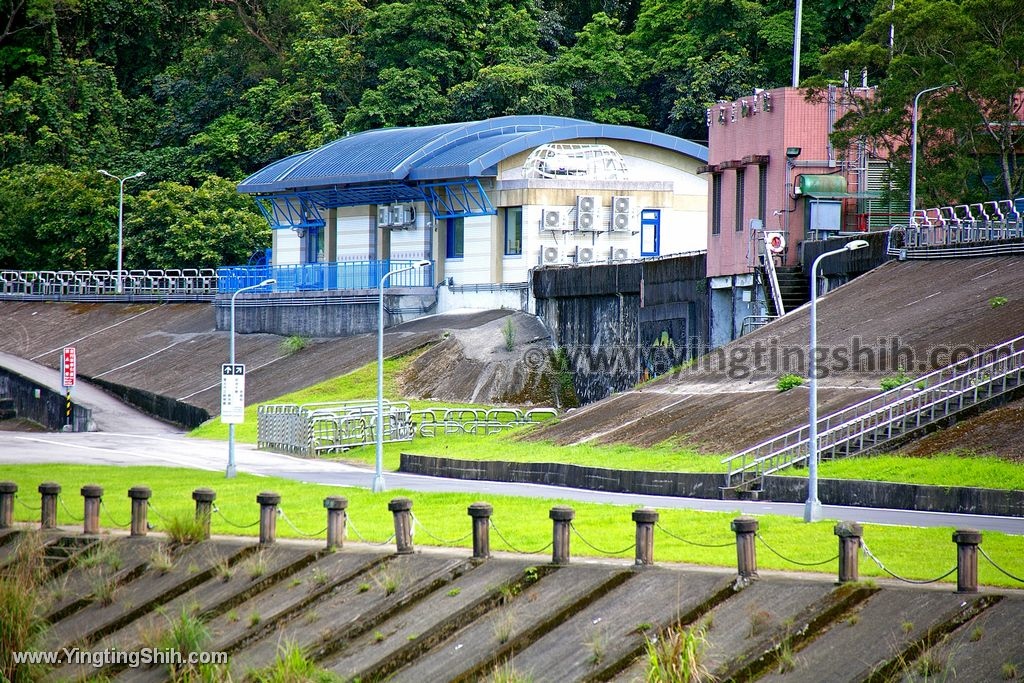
176,461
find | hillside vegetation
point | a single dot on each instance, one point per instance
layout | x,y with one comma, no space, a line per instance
200,94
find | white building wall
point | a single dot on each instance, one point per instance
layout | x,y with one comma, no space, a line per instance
287,247
475,267
355,234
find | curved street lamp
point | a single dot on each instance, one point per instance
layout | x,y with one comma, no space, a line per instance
913,149
378,477
230,473
120,218
812,508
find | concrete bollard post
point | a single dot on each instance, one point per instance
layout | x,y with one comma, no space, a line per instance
204,507
967,542
7,491
746,551
481,515
140,496
561,517
336,519
645,519
849,534
48,490
268,501
93,495
401,508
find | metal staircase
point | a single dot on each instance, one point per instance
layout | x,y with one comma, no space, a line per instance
888,417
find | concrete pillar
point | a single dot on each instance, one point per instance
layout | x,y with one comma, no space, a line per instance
336,519
268,501
645,519
561,517
7,491
967,542
849,534
204,507
140,496
746,552
401,508
93,495
48,491
481,515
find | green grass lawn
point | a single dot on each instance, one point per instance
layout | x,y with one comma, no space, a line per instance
948,470
911,552
939,470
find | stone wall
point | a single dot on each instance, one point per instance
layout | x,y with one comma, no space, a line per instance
954,499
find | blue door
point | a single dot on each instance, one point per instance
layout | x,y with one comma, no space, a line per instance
650,232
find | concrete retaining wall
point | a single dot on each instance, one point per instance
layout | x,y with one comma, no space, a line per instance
321,314
161,407
49,409
962,500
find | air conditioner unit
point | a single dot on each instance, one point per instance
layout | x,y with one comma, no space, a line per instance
402,214
550,254
585,255
622,213
552,219
383,216
620,254
587,207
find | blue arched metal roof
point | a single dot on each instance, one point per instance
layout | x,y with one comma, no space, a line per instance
436,153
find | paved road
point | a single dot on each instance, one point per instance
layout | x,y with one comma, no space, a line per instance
107,412
174,449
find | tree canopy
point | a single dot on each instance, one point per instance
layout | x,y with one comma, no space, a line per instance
200,94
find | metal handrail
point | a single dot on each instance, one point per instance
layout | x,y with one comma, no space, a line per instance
780,448
773,278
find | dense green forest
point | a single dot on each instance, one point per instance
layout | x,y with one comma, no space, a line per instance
200,93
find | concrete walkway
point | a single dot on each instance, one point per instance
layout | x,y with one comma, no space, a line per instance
108,412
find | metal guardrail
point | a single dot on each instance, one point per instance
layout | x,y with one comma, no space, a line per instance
981,229
340,275
313,429
773,277
755,322
889,415
189,284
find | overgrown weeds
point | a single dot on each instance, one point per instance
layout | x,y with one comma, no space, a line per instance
185,529
291,666
677,655
23,606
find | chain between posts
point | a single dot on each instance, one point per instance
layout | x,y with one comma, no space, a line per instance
155,511
867,551
792,561
229,522
993,563
113,521
287,521
26,505
695,543
515,549
67,510
443,541
361,538
595,548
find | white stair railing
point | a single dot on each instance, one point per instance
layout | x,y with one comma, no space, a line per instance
870,423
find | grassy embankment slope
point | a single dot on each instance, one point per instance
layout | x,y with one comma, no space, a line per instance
940,470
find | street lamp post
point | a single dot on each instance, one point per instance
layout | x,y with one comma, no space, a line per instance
378,477
120,219
231,359
812,508
913,150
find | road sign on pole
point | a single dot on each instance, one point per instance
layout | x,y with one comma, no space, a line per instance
232,393
69,366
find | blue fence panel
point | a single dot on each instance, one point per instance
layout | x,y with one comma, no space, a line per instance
326,276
